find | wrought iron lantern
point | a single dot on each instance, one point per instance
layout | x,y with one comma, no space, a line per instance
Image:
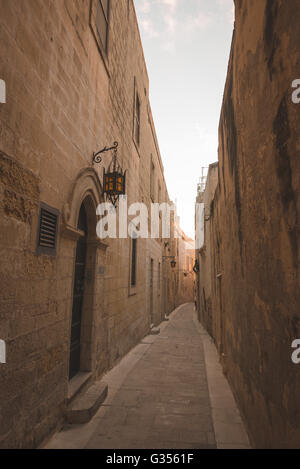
114,178
173,261
196,267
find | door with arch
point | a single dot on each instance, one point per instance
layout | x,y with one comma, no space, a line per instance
78,294
151,290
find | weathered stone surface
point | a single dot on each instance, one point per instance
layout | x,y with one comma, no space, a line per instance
19,188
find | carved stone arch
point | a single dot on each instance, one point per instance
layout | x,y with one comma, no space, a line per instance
87,187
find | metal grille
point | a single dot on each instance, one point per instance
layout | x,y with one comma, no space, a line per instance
47,231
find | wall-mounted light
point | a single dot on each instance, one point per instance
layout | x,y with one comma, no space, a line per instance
114,178
196,267
173,261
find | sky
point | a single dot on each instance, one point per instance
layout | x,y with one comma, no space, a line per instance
186,45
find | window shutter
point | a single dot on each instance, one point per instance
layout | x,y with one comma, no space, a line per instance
48,225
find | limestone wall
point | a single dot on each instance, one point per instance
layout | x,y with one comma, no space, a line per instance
255,222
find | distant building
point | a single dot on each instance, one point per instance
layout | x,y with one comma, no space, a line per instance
205,197
185,273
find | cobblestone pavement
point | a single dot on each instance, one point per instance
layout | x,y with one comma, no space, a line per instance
159,397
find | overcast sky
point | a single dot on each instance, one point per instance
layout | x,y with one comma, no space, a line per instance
186,45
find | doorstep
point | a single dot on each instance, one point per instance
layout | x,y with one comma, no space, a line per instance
77,384
85,406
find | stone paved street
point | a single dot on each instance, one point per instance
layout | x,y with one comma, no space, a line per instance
160,397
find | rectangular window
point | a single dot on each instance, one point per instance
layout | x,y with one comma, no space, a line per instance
47,230
99,23
152,181
137,119
133,262
159,201
102,22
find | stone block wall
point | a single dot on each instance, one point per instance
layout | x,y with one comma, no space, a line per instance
66,100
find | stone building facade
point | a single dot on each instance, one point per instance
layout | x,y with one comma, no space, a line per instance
185,277
254,252
203,251
71,304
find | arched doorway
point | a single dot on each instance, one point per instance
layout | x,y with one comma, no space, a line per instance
78,293
88,261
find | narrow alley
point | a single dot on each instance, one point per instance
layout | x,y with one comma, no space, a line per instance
168,392
150,225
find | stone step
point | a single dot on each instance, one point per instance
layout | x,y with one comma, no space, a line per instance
84,407
78,385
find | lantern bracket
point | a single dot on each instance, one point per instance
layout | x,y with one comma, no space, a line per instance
96,156
114,178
